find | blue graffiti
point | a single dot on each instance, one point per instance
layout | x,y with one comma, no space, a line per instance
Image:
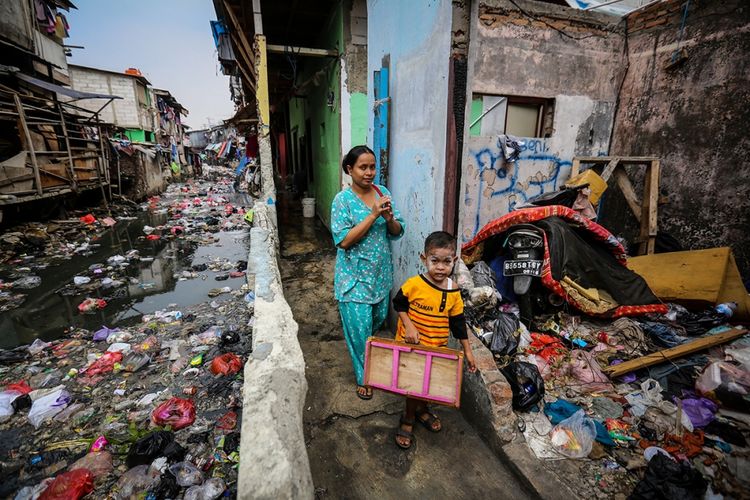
534,150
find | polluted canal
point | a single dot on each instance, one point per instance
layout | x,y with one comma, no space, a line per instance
122,346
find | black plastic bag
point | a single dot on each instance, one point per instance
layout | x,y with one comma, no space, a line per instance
526,382
483,275
21,403
167,487
504,341
666,479
152,446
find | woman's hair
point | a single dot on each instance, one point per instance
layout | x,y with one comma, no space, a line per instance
351,157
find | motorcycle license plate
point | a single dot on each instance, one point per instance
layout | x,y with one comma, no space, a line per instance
522,268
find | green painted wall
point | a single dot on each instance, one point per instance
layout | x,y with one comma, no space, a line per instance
325,121
358,105
136,135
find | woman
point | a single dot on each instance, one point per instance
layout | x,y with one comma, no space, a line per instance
363,222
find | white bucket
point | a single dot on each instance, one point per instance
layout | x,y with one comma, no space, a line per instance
308,207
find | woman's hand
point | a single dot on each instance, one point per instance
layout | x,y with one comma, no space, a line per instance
382,207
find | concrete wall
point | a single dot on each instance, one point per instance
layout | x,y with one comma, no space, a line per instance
416,38
123,112
15,23
512,54
693,116
353,79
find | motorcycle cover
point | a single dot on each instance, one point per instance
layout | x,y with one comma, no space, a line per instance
583,262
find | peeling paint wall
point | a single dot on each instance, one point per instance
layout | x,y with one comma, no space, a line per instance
524,54
353,79
693,116
416,38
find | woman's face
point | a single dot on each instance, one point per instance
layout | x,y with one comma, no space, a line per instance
363,170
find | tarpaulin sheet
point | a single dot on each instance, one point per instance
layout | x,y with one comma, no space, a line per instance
579,254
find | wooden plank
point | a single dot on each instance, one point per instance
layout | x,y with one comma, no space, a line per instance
621,177
611,166
575,168
649,208
626,160
301,51
655,358
244,44
25,127
73,183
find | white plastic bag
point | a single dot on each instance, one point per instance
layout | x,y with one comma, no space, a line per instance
6,404
574,436
48,406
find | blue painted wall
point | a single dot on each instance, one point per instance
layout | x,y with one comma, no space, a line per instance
416,34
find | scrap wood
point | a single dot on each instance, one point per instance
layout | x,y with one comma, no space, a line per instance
673,353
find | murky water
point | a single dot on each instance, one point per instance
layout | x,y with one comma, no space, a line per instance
46,313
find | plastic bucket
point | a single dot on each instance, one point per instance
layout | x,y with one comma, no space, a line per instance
308,207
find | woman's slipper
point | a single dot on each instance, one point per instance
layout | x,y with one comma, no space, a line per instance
428,420
364,392
404,434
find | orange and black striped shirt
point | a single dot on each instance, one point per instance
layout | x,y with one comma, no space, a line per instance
435,312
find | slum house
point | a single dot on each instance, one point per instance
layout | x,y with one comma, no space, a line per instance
317,86
137,167
170,133
50,146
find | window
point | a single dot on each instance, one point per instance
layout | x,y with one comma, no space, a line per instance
513,115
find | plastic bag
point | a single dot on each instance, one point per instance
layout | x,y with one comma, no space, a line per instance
649,396
719,373
700,411
462,275
70,485
227,422
48,406
27,282
99,463
585,369
187,474
90,304
574,436
210,490
6,404
104,364
134,361
103,333
526,382
88,219
152,446
121,347
20,386
137,480
226,364
175,412
504,340
38,346
151,344
483,275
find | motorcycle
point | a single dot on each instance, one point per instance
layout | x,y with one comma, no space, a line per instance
524,248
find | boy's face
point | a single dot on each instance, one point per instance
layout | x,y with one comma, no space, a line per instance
439,262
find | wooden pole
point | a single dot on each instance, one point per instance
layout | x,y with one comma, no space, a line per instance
104,170
655,358
29,142
73,182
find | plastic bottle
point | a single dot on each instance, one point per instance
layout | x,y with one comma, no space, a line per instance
727,309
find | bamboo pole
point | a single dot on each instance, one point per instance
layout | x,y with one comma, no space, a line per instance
35,165
73,182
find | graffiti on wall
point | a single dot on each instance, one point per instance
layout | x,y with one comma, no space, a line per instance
497,186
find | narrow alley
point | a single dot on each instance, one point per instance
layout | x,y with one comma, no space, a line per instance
350,442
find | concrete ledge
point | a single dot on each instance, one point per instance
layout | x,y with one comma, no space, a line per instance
273,457
486,402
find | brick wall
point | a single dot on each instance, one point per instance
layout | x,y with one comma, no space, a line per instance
122,112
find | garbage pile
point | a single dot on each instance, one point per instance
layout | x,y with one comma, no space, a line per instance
678,428
149,409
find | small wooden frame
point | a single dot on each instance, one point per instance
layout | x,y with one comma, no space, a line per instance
432,374
645,210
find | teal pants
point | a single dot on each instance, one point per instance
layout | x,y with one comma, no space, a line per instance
360,322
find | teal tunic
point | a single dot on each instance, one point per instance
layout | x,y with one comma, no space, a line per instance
364,272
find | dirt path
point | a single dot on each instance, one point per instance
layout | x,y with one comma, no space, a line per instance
350,442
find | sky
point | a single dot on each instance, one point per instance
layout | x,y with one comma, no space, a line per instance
169,41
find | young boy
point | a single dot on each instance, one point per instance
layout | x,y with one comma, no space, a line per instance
430,308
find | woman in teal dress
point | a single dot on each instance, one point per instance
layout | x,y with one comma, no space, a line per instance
363,222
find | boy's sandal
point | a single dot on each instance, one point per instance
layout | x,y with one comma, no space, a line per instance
400,433
367,395
430,421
